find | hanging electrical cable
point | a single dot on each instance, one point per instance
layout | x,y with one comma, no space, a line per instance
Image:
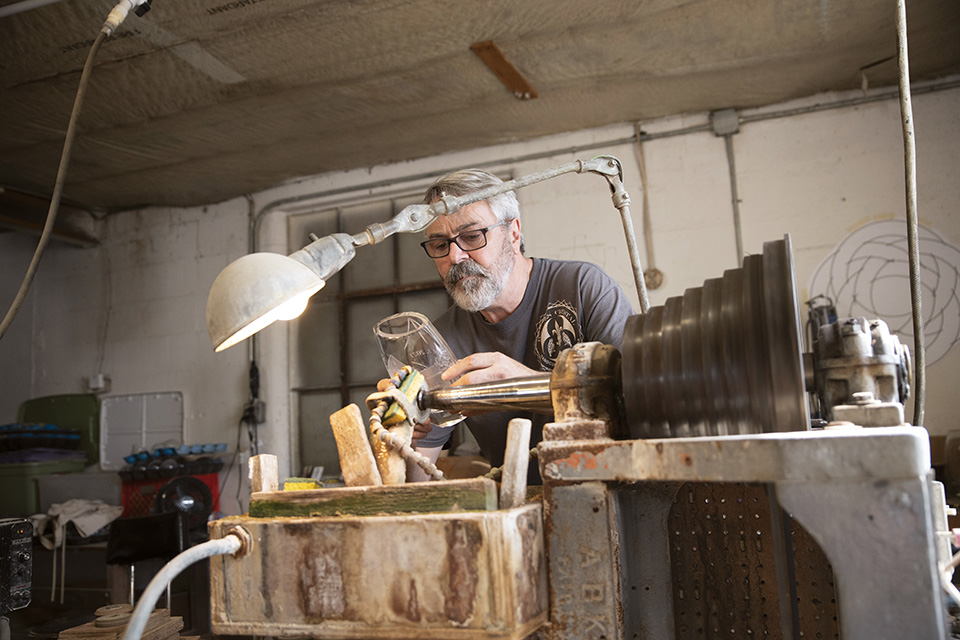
910,169
116,16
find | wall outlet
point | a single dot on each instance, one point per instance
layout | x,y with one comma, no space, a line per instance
98,383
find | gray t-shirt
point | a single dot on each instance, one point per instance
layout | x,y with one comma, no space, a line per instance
566,302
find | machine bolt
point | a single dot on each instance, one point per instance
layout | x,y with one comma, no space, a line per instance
851,326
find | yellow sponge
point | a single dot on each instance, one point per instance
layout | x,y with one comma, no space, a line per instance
299,484
410,387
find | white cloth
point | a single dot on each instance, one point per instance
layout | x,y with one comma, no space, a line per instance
88,516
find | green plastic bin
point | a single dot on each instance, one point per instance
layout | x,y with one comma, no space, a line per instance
80,411
20,495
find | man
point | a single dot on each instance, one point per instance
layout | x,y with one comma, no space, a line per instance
513,315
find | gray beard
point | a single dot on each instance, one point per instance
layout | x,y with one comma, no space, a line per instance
479,292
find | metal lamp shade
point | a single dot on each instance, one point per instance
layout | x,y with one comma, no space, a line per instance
246,295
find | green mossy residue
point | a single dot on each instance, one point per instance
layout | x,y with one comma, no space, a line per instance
432,498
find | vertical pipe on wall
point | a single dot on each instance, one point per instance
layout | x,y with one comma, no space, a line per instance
252,244
910,170
735,197
652,277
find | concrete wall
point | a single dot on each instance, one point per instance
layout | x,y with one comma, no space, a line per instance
137,303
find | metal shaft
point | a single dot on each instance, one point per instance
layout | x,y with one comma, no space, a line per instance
525,394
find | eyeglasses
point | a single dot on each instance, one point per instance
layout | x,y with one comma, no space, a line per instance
467,241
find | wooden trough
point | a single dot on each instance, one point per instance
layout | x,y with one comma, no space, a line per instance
325,564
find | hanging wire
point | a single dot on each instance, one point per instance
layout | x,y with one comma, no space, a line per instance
57,189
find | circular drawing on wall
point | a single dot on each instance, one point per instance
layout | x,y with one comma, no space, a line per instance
868,275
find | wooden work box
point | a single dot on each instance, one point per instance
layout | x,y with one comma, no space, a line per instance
456,574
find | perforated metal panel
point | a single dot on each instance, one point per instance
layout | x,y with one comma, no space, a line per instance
816,597
723,563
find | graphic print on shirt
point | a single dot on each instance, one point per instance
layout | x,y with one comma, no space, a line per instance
557,329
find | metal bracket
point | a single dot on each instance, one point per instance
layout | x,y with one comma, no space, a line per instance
415,414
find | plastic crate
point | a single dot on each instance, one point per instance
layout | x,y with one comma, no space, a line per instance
139,495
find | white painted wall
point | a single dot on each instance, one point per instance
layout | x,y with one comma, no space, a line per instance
138,302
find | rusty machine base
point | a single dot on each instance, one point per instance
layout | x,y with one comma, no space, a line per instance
864,495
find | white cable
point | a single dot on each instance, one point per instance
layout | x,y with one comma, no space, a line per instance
948,586
946,574
950,566
138,621
119,14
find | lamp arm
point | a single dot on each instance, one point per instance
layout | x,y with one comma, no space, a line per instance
417,217
621,200
327,255
451,204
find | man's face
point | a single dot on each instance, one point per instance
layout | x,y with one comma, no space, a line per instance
474,279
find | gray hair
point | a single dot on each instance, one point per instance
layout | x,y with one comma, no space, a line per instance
460,183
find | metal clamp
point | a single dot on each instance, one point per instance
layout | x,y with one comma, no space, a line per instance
415,414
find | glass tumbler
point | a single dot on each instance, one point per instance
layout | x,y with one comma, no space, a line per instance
409,338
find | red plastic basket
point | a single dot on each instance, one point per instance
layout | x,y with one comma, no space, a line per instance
139,495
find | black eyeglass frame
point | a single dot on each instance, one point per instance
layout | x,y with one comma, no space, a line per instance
454,240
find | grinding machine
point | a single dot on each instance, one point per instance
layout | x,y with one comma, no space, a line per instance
687,493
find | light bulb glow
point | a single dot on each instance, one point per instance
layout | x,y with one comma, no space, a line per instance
293,307
288,310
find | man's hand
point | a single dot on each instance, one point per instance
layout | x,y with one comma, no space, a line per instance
486,367
419,430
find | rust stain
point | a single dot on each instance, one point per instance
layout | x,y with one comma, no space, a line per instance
413,607
403,599
580,460
320,584
264,581
659,448
529,575
463,542
686,458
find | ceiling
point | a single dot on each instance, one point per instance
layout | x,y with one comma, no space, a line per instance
203,100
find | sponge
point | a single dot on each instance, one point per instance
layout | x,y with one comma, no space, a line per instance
410,387
299,484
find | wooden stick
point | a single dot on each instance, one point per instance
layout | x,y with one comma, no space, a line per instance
264,473
353,445
513,485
